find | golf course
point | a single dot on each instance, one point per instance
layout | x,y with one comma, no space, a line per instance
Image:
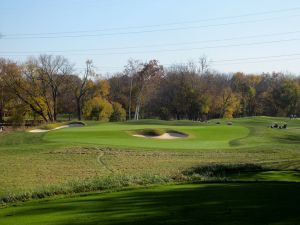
217,172
149,112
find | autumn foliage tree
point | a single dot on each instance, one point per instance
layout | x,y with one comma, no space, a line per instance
47,87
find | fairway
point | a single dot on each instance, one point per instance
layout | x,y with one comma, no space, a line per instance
33,161
61,165
236,203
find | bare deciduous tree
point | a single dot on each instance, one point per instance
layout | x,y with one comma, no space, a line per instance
53,71
204,64
132,69
81,87
149,71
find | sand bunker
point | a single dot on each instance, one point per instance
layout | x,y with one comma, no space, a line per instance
57,128
165,136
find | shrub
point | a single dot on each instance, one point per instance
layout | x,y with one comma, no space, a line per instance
18,115
97,108
164,113
119,114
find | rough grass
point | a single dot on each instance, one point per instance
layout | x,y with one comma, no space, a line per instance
112,182
205,173
32,161
28,166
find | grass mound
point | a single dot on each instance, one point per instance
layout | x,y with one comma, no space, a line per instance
176,132
77,123
151,132
157,132
51,126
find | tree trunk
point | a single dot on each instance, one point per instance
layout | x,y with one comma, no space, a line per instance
130,96
137,108
137,112
1,114
2,106
54,109
78,109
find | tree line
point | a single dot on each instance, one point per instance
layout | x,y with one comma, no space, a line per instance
47,87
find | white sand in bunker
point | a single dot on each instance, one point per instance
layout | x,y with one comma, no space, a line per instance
57,128
165,136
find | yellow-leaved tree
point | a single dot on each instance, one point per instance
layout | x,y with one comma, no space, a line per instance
97,108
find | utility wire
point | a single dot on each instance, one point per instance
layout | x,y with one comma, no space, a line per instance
154,45
230,61
271,58
187,49
254,58
260,61
6,37
161,25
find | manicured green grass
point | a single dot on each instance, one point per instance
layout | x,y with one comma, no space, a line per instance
105,155
244,133
205,204
120,135
31,161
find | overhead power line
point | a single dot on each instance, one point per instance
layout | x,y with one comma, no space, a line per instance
186,49
161,25
221,62
234,60
261,61
42,36
271,58
154,45
255,58
258,60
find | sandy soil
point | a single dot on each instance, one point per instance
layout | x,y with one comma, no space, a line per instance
57,128
165,136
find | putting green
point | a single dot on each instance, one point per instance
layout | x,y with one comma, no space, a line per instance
120,135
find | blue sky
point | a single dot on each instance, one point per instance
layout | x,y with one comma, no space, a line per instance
252,36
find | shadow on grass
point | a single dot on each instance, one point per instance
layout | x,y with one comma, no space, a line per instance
273,175
240,172
222,170
288,138
231,203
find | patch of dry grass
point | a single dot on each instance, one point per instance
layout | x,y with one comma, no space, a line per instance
29,170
